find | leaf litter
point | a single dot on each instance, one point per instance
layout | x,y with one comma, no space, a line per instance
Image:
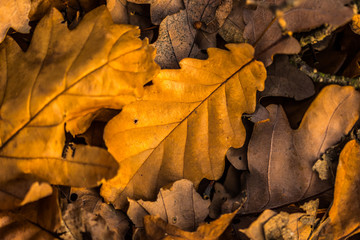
71,84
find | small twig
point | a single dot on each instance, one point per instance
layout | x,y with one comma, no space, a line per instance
320,77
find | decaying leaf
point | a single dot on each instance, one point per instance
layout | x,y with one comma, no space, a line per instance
156,228
37,220
280,172
343,220
161,8
88,215
233,28
272,225
14,14
180,206
285,80
65,79
179,32
268,34
353,70
184,125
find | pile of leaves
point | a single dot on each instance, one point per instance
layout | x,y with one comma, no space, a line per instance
179,119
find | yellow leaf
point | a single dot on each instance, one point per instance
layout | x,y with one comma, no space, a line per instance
156,228
355,24
184,125
345,211
66,77
14,14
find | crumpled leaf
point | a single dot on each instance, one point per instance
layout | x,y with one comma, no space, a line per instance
285,80
14,14
343,220
280,172
178,33
156,228
272,225
65,79
313,13
161,8
180,206
184,125
36,220
89,216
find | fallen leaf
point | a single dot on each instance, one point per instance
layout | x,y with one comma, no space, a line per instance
37,220
156,228
18,19
88,215
65,79
19,192
285,80
180,206
268,35
343,220
178,32
272,225
233,28
118,11
280,172
184,125
161,8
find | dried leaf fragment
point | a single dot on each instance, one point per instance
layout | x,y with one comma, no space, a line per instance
180,206
184,125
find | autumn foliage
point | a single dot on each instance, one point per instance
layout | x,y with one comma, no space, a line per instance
174,119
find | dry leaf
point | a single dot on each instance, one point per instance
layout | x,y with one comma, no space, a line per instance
270,225
161,8
14,14
180,206
179,32
344,213
156,228
19,192
309,14
280,172
65,79
285,80
118,11
184,125
233,28
353,70
355,24
36,220
90,216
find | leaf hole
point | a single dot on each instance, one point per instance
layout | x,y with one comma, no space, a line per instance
240,158
174,220
73,197
135,121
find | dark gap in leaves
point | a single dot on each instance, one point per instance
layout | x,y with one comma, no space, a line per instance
149,84
73,197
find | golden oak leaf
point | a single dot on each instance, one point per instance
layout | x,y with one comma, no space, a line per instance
343,220
184,125
66,77
156,228
14,14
